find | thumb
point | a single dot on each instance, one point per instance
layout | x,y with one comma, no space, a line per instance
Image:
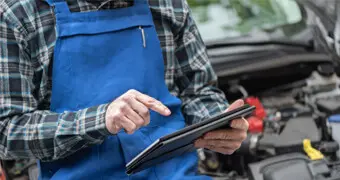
236,105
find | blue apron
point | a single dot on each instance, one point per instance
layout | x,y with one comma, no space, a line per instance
98,57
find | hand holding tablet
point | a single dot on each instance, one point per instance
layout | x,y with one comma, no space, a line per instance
182,141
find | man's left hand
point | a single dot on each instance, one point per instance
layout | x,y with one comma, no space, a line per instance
226,141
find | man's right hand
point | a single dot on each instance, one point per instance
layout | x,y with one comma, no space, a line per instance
130,111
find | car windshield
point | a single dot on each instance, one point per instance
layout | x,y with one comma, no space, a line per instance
218,19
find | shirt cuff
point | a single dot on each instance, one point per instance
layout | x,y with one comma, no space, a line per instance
91,123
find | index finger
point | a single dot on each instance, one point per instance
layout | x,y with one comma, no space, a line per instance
236,105
153,104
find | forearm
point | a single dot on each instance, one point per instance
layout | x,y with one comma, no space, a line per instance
49,136
28,130
196,79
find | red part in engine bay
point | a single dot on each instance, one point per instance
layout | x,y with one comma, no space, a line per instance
256,120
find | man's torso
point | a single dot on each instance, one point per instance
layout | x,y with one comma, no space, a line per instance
37,23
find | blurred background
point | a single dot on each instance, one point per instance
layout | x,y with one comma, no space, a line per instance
281,56
233,18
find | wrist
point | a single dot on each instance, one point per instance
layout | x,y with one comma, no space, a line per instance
106,128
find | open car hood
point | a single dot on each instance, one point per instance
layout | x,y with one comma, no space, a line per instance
317,42
326,16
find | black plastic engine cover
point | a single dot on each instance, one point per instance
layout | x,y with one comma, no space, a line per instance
294,166
291,138
290,166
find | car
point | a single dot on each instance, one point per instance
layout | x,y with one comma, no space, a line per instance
283,57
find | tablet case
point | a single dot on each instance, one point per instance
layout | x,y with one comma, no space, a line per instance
181,141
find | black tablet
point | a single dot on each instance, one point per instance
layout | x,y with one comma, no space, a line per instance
182,141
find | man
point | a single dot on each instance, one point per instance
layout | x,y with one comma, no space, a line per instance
82,86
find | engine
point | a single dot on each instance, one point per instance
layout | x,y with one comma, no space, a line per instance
294,132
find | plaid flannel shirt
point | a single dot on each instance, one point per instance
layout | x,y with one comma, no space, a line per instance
28,129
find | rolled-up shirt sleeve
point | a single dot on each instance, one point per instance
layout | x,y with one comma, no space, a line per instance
196,79
25,131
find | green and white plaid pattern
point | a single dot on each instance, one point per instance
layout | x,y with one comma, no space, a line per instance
28,129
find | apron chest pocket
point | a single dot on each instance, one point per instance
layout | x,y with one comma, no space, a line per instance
102,26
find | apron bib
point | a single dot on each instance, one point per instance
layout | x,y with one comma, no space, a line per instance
99,56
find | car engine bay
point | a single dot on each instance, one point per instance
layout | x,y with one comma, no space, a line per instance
293,134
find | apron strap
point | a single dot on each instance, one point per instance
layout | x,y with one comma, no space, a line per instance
59,6
50,2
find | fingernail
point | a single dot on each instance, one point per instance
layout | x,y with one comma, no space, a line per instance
230,152
167,111
240,102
